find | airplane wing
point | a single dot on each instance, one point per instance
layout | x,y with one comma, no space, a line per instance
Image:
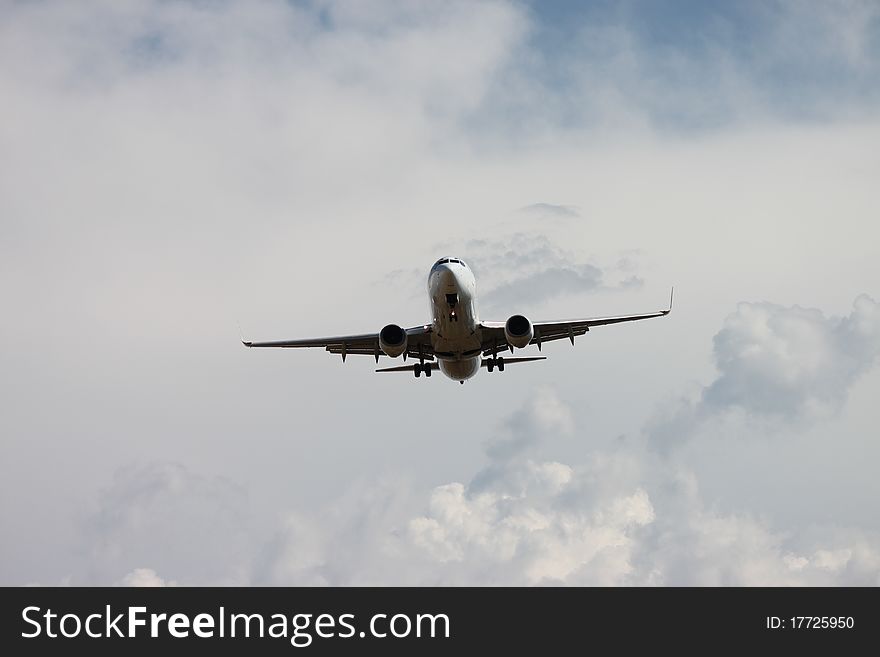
494,339
418,340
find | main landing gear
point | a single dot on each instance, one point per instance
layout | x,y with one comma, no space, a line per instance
492,363
418,368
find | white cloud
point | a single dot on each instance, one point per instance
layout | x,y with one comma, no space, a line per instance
621,518
144,577
777,363
533,537
521,265
192,527
541,413
792,361
544,211
524,266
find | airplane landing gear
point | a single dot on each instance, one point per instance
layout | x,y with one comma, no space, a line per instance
492,363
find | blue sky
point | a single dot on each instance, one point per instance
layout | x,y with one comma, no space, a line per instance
800,63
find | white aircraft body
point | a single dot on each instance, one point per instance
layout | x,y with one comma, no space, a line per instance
456,342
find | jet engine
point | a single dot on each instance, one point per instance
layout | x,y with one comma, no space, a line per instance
518,331
392,340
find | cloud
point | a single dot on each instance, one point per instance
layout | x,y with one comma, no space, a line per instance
524,268
542,412
532,536
193,527
792,361
621,517
519,521
543,285
144,577
777,364
357,539
642,66
550,210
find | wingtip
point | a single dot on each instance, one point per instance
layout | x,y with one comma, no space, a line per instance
246,343
671,297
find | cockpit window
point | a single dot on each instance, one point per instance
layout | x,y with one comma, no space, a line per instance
443,261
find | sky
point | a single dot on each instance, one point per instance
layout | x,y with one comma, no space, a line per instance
172,171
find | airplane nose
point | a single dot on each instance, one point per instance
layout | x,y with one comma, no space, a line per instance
447,277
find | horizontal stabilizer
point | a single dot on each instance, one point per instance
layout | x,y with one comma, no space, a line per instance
408,368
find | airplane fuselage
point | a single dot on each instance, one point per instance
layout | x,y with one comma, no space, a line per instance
456,335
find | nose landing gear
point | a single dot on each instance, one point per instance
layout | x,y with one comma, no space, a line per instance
452,300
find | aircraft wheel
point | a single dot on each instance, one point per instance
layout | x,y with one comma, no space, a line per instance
490,364
500,364
427,369
417,370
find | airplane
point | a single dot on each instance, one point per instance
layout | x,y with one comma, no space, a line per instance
456,342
